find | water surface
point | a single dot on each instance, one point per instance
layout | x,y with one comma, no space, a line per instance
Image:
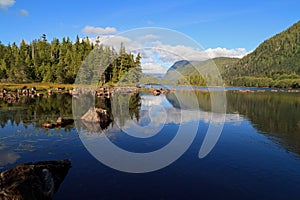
256,157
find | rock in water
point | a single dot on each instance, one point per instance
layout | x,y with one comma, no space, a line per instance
63,121
38,180
97,115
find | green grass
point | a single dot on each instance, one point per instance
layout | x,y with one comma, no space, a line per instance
38,86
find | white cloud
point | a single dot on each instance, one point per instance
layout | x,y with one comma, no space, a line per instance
223,52
169,53
148,37
7,3
115,41
24,12
99,30
157,57
153,68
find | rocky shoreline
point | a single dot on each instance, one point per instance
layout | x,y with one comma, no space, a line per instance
12,96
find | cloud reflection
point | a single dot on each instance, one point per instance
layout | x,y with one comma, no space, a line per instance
7,157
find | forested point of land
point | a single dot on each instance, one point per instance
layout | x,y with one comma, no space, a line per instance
59,61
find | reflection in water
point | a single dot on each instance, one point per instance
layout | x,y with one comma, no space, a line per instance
7,157
36,110
275,114
125,107
242,161
174,113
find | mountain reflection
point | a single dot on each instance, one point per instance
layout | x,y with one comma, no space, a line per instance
276,115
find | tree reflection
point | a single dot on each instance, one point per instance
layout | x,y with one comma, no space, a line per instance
274,114
125,106
36,110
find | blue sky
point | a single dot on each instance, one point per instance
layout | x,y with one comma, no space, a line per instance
225,24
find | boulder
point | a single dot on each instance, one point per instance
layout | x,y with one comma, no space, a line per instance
38,180
156,92
97,115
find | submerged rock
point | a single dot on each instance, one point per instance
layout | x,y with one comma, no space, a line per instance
64,121
38,180
60,122
48,125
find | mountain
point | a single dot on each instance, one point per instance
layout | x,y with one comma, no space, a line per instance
274,57
274,63
179,64
190,70
190,67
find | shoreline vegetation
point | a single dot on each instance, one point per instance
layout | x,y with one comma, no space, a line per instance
59,86
37,86
106,91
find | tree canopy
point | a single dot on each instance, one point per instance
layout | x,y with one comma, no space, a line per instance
59,61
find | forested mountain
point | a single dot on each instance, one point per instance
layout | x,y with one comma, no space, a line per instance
274,63
192,72
59,61
277,55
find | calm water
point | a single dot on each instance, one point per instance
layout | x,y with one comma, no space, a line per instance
256,157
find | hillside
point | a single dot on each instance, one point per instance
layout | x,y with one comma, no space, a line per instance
279,54
189,70
276,62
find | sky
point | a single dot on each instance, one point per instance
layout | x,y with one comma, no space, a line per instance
226,28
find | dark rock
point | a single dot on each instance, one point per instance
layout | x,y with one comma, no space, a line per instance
38,180
60,122
156,92
10,97
63,121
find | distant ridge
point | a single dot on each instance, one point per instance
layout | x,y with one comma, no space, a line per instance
187,68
